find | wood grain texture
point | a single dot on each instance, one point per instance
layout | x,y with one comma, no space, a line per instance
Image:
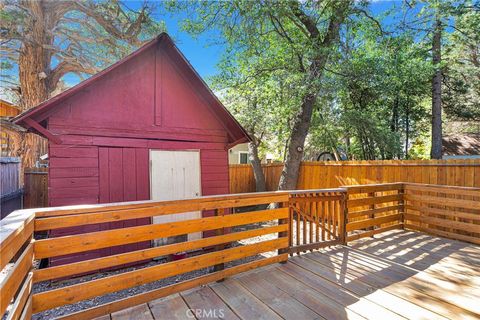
124,258
331,174
175,288
15,277
57,297
104,239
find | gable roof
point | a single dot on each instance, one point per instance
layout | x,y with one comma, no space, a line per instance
236,133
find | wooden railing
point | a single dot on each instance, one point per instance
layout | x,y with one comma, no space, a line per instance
372,209
316,219
452,212
211,252
240,227
16,262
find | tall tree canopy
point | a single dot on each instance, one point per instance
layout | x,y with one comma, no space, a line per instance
275,37
337,77
43,40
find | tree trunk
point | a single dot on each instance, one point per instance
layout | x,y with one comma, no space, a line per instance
291,169
34,57
34,68
257,167
407,129
436,151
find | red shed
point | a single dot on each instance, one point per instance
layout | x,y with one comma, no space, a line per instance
147,127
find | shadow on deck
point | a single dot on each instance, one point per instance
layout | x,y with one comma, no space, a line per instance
396,275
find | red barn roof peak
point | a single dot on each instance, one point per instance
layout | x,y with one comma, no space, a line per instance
31,118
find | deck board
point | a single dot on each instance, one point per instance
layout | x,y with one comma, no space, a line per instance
242,302
140,312
172,307
207,304
396,275
282,303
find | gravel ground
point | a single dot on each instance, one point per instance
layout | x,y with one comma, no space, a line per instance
50,285
85,304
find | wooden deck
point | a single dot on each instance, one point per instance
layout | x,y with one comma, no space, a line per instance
396,275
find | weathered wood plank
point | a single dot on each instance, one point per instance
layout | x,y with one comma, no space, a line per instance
140,255
165,291
103,239
372,306
172,307
67,295
322,304
15,230
283,304
242,302
205,304
140,312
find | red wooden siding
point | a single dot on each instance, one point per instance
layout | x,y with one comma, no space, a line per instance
124,176
106,128
73,175
153,103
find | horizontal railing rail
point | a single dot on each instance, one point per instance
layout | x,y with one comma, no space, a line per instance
243,232
452,212
16,262
372,209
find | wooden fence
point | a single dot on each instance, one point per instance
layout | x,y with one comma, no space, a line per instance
36,188
10,189
329,174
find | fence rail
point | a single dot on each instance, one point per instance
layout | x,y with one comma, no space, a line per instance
36,188
316,219
300,221
331,174
452,212
373,209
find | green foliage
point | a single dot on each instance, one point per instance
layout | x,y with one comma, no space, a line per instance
462,70
264,71
374,99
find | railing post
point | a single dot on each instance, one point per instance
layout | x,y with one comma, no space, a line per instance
219,232
401,205
343,218
285,233
372,215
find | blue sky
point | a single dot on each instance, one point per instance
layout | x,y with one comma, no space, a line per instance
203,56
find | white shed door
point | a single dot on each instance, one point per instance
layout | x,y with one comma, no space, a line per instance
175,175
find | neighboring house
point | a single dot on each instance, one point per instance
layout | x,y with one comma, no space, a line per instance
461,146
238,154
147,127
10,133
